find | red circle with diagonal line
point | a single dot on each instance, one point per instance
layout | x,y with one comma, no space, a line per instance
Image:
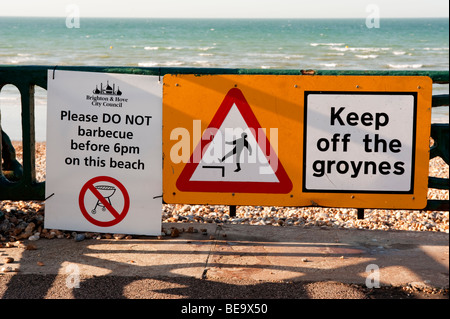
117,216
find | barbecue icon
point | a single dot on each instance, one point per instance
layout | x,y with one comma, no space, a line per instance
106,191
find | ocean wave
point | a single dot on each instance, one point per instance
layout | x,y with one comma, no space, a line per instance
358,49
9,98
325,44
19,60
399,52
202,63
342,49
172,48
173,63
205,48
147,64
435,49
153,64
329,65
151,48
269,55
370,56
206,54
294,56
405,66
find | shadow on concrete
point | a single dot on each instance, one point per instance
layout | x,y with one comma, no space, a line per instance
237,262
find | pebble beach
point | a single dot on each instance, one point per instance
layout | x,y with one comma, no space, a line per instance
24,220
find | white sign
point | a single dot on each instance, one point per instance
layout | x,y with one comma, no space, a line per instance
359,142
104,153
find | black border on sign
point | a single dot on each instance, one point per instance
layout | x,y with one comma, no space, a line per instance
413,153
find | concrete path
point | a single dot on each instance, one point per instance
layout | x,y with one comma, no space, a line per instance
229,261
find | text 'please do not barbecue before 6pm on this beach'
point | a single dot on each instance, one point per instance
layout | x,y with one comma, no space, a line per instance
108,135
104,153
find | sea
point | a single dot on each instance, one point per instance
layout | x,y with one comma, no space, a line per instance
323,44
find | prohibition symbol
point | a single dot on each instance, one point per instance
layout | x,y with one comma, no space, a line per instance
104,196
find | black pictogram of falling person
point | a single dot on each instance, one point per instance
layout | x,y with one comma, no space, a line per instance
239,145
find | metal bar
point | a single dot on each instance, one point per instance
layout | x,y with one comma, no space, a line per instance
437,205
26,77
440,100
439,77
36,72
28,143
439,183
22,185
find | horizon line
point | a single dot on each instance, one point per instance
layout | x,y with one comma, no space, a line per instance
223,18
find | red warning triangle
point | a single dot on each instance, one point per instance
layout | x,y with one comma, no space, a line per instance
225,173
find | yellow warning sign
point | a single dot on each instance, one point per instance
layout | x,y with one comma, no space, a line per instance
336,141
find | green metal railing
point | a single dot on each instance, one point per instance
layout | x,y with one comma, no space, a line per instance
18,182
